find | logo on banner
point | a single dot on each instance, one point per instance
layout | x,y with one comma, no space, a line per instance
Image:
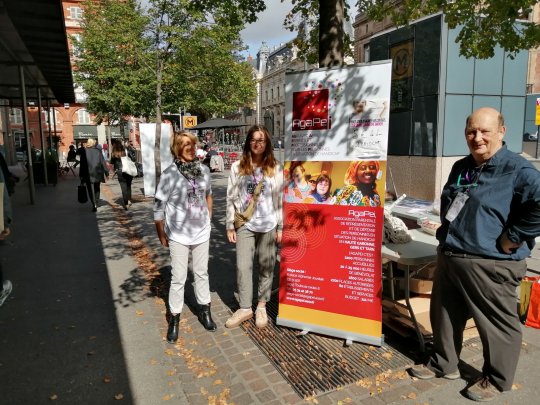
310,110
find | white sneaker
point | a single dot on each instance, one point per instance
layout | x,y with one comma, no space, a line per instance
238,317
8,287
261,318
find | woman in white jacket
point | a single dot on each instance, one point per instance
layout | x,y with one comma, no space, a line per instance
182,212
260,233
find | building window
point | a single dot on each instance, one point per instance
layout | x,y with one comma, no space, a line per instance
272,90
75,41
366,53
16,116
75,13
51,119
266,92
278,95
83,116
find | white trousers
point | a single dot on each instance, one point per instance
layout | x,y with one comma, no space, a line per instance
179,262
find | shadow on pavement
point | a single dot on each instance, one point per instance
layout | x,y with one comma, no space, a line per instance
58,330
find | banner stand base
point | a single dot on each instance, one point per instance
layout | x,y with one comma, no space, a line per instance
349,337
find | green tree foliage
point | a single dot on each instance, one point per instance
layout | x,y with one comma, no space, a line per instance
112,65
173,55
176,54
484,24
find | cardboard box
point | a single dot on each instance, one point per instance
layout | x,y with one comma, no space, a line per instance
420,305
420,285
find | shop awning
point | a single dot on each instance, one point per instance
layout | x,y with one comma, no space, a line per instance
33,36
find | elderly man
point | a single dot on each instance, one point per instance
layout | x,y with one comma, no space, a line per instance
490,214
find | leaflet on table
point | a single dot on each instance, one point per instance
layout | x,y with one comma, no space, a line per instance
335,173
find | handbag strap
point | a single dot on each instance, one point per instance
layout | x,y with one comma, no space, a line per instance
253,201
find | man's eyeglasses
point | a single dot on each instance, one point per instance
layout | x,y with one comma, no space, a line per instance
258,141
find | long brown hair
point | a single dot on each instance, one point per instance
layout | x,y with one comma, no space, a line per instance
268,161
118,150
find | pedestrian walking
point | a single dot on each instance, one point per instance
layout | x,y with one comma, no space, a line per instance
182,211
254,222
124,179
93,171
490,215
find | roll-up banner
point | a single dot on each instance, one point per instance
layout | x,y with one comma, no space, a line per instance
335,181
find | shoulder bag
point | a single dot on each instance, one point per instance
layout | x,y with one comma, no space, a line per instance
240,218
128,167
82,195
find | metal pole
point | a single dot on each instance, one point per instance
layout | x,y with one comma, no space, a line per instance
27,137
42,137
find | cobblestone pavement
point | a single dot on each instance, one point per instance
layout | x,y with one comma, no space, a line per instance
223,367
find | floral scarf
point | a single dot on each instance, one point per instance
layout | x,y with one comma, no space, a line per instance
190,170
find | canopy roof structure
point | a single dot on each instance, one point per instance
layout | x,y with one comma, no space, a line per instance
216,123
33,39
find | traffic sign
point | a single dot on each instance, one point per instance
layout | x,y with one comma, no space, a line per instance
189,121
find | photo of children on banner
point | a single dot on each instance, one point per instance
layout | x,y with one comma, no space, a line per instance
320,193
356,183
297,187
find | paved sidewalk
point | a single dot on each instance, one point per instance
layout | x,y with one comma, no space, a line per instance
86,320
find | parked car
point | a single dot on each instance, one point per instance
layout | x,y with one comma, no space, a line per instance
530,137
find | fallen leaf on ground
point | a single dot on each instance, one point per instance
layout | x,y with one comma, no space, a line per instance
218,382
516,386
140,313
167,397
53,397
106,379
412,395
118,397
153,361
170,372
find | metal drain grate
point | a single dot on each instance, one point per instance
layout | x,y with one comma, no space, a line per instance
315,364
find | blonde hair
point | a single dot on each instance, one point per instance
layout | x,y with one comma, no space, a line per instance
90,142
176,143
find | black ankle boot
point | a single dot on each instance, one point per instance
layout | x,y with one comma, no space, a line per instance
172,330
205,317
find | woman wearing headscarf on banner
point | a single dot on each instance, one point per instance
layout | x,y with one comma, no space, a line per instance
298,188
254,197
182,211
360,187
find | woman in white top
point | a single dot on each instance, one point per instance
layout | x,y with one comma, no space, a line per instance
263,229
182,212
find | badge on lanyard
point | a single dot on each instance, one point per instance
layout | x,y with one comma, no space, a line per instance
456,206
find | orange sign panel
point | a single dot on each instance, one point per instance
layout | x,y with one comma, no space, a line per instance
189,121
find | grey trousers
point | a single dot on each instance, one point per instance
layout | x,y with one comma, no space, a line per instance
247,244
179,262
484,289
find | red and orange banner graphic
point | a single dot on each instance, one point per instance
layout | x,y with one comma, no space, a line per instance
335,165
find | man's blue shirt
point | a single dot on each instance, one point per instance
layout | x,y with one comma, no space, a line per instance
504,196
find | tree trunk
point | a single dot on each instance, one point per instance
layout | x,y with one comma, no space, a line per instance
157,144
331,33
